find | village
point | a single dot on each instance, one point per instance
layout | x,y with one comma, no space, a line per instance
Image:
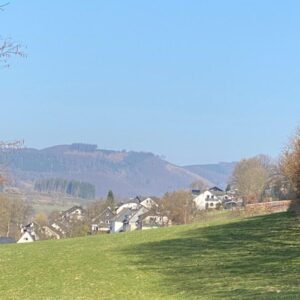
139,213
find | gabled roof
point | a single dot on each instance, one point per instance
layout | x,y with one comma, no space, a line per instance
136,200
103,213
121,215
72,209
55,231
215,189
138,212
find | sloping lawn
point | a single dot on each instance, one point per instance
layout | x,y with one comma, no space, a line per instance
254,258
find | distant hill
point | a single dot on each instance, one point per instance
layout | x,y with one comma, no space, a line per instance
219,174
126,173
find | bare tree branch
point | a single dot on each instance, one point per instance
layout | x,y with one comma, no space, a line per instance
3,5
8,47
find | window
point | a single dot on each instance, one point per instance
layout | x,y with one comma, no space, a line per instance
211,204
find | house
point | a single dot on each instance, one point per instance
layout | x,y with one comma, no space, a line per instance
26,238
128,219
6,240
51,233
150,221
29,233
119,222
196,192
216,189
102,222
149,203
135,203
60,227
207,200
74,213
64,223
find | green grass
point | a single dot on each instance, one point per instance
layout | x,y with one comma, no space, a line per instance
254,258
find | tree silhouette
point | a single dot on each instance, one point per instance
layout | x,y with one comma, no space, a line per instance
8,48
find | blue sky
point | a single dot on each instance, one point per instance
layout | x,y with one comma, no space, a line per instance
195,81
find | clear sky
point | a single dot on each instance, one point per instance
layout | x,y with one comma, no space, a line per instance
195,81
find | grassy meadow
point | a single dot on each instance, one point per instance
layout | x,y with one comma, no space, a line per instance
243,258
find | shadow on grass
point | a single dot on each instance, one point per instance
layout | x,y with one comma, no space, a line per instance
257,258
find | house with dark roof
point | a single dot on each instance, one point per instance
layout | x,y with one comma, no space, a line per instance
216,189
135,203
121,220
102,222
128,219
29,233
74,213
207,200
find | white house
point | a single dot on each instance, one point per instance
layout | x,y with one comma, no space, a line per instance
26,238
128,219
74,213
29,233
130,205
136,202
207,200
148,203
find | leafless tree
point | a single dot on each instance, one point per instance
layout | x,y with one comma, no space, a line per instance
8,47
178,206
250,177
290,163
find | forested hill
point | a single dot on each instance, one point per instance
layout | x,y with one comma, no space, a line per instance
126,173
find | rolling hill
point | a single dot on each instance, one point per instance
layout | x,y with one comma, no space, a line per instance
219,173
126,173
241,258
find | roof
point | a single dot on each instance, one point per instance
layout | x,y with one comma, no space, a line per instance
137,200
70,210
55,231
6,240
215,189
121,215
137,212
103,213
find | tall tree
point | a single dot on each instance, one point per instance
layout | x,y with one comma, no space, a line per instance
110,200
250,177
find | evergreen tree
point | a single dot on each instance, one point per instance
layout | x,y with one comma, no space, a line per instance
228,188
110,200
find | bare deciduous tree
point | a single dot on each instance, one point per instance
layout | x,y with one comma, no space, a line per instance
290,163
250,177
178,206
13,213
9,48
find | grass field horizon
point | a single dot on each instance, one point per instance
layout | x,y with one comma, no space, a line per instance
242,258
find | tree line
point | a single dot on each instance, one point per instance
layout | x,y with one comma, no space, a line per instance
78,189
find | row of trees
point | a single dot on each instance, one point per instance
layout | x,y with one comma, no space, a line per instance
259,178
73,188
